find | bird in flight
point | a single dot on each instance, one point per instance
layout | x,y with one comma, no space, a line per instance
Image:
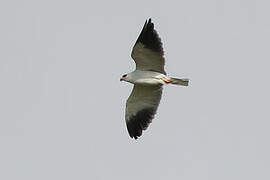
148,79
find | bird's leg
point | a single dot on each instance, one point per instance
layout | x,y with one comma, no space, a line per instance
166,80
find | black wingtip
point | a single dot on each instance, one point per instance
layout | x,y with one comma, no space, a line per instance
149,37
140,122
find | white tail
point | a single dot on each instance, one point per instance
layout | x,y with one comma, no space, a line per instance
182,82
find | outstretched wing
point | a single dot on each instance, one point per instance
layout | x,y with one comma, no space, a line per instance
147,51
141,108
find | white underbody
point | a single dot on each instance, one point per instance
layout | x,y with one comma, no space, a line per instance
146,77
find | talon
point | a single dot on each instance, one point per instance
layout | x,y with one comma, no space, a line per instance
166,80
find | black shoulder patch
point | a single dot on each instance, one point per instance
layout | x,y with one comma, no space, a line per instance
150,38
136,124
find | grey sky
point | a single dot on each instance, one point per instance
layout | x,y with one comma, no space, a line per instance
62,105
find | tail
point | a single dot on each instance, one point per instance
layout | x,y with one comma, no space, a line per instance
182,82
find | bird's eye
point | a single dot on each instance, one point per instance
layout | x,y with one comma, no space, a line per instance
125,75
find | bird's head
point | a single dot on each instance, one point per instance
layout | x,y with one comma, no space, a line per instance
124,78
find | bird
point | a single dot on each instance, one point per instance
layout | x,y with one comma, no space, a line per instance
148,79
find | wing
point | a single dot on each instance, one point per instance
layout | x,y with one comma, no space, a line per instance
141,108
147,51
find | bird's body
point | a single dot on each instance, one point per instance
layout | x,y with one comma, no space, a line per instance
148,79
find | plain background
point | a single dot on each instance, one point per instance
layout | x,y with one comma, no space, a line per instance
62,105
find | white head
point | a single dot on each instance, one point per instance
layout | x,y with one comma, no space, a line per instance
126,77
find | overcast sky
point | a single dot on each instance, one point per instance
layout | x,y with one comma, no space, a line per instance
62,105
